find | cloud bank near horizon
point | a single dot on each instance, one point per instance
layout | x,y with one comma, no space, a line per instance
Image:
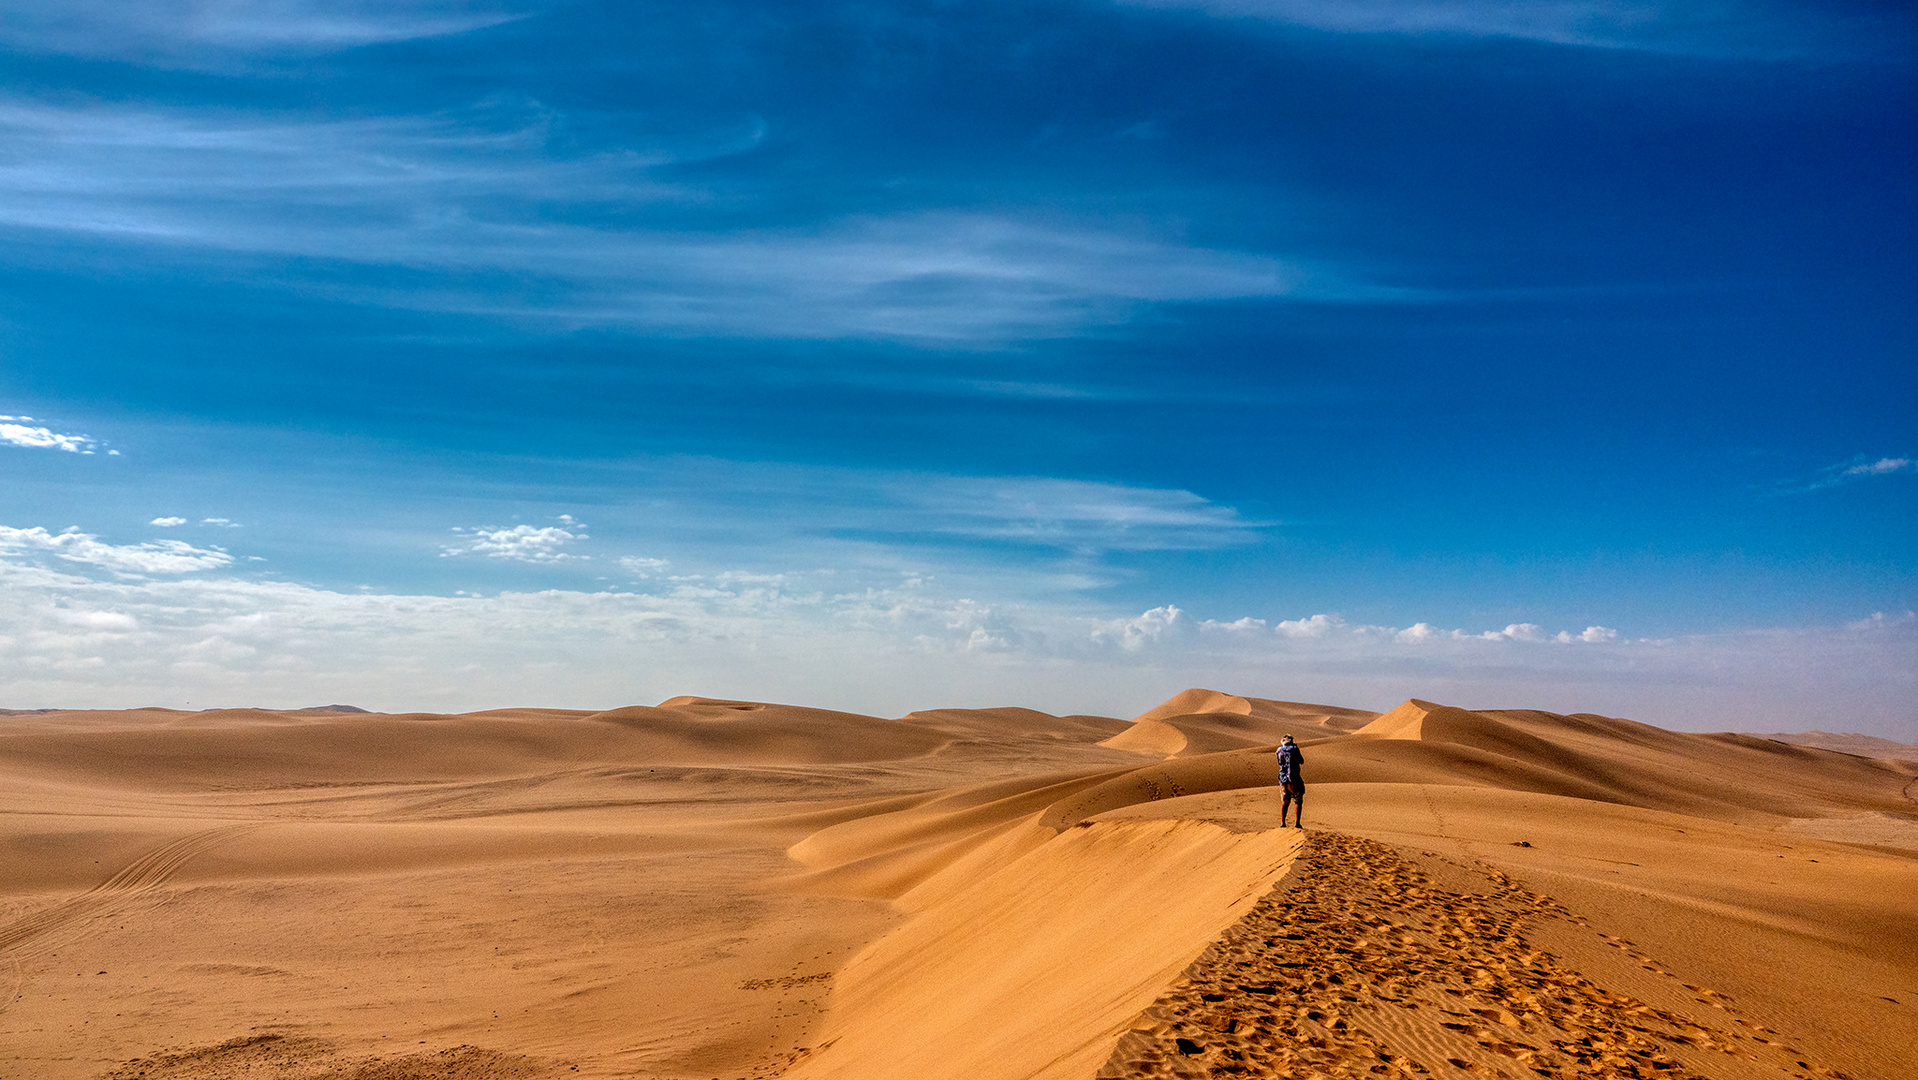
164,623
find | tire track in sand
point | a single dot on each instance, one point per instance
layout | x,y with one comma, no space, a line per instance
1360,964
134,884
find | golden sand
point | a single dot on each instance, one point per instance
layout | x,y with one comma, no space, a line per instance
714,889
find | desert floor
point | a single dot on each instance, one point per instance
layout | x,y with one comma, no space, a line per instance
710,889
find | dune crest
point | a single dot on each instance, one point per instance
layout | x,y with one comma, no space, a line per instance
1200,721
1194,701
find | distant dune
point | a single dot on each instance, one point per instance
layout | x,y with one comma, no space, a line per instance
713,888
1862,745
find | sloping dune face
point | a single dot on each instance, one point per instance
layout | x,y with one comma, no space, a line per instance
712,888
1035,966
1202,721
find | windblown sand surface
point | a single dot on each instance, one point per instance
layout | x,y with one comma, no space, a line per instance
711,889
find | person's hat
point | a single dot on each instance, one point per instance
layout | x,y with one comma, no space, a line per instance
1288,738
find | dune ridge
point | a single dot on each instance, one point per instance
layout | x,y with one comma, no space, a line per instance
1200,721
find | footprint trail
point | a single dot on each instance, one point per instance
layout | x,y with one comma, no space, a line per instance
1361,964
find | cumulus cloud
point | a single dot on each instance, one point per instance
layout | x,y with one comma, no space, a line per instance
1315,627
1416,633
72,545
1132,635
520,543
14,431
643,567
168,522
1421,633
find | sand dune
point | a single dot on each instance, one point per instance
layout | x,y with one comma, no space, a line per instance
710,888
1206,721
1861,745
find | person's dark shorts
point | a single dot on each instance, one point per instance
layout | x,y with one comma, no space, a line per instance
1294,788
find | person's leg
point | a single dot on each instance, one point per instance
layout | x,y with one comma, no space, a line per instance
1286,806
1298,800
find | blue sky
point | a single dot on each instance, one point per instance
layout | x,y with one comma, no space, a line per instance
886,356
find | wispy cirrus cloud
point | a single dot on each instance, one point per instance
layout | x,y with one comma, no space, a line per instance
1064,513
1725,28
906,510
1882,467
1861,468
199,33
473,192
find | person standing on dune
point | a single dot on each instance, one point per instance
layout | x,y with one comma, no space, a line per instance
1292,780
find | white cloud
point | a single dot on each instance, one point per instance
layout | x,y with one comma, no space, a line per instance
1416,633
1132,635
153,557
15,432
224,523
105,622
520,543
640,566
1314,627
1243,625
167,522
